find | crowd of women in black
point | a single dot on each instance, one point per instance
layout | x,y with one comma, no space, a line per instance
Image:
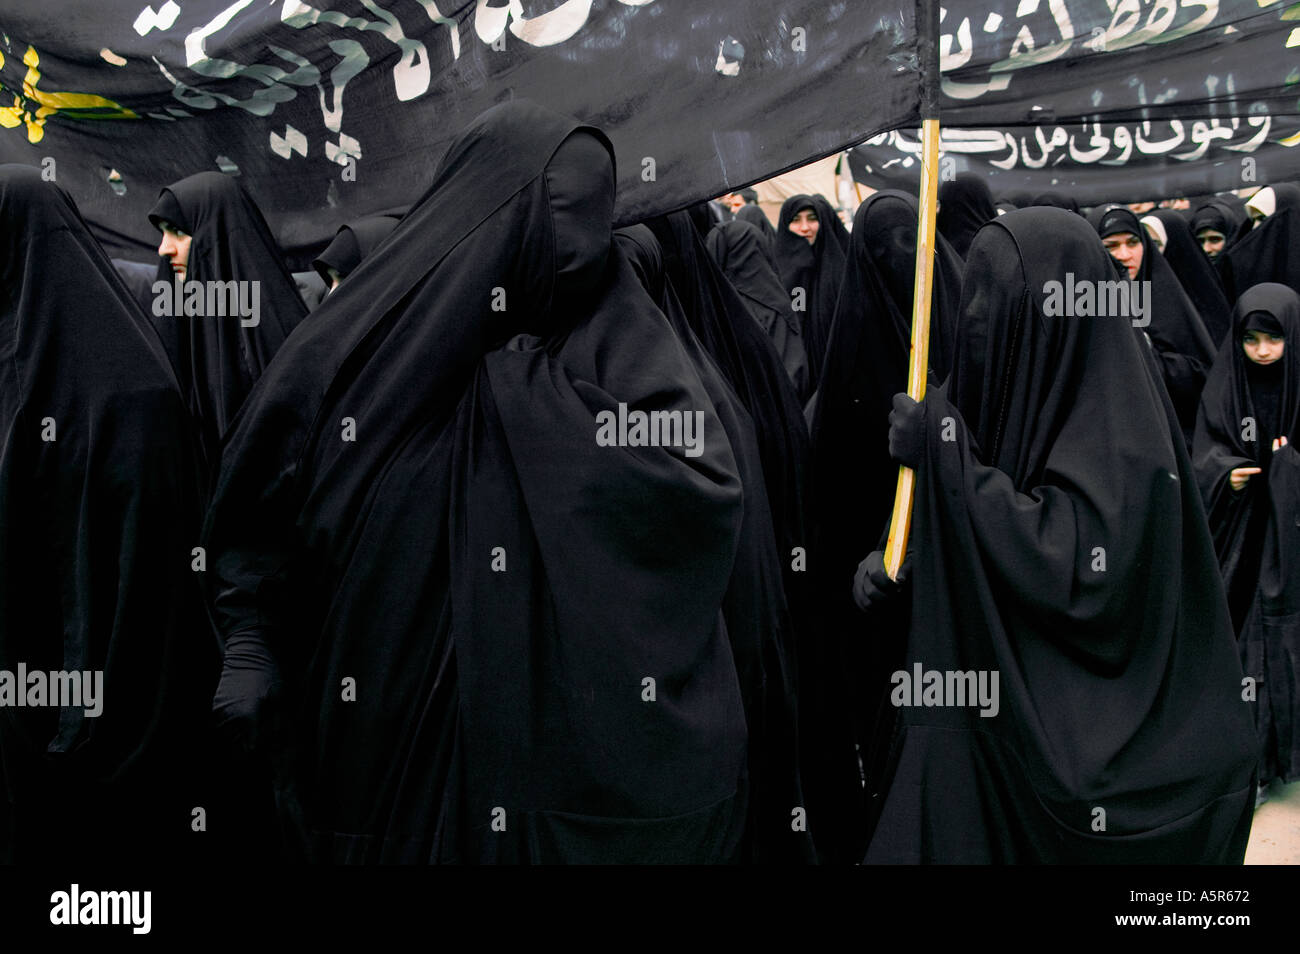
365,587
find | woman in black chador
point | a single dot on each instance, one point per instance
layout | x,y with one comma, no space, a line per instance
851,476
488,608
1182,346
99,515
1059,546
810,261
1248,469
965,204
213,232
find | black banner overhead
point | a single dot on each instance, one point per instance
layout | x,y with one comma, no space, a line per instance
1098,162
1121,100
328,110
1016,62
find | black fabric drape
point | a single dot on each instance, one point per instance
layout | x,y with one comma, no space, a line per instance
1054,200
218,359
1059,542
817,270
1244,408
1197,275
499,585
764,605
1178,334
99,512
965,204
740,250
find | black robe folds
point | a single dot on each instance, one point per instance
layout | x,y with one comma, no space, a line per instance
1269,252
437,500
851,475
99,515
218,358
745,258
1059,543
1257,529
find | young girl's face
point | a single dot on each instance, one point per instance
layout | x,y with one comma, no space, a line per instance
1261,347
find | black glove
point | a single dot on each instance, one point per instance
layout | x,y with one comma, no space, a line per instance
872,586
248,694
907,431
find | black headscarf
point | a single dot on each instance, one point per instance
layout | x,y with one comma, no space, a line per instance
1269,252
965,204
352,243
1220,215
473,362
1183,346
99,510
741,252
758,218
817,269
1257,529
1119,689
1020,198
218,359
851,476
1196,274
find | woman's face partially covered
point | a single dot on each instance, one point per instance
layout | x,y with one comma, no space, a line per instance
805,224
175,245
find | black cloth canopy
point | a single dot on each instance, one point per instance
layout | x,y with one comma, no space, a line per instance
1196,273
1183,346
1059,542
1244,408
817,268
746,259
965,204
99,512
218,358
532,620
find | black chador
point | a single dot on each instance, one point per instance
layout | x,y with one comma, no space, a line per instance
1246,410
1059,545
493,638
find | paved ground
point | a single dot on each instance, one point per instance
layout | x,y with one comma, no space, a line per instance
1275,834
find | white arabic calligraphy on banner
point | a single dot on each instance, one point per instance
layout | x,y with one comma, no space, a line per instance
411,74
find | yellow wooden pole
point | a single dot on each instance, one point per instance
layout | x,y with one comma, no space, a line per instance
900,524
